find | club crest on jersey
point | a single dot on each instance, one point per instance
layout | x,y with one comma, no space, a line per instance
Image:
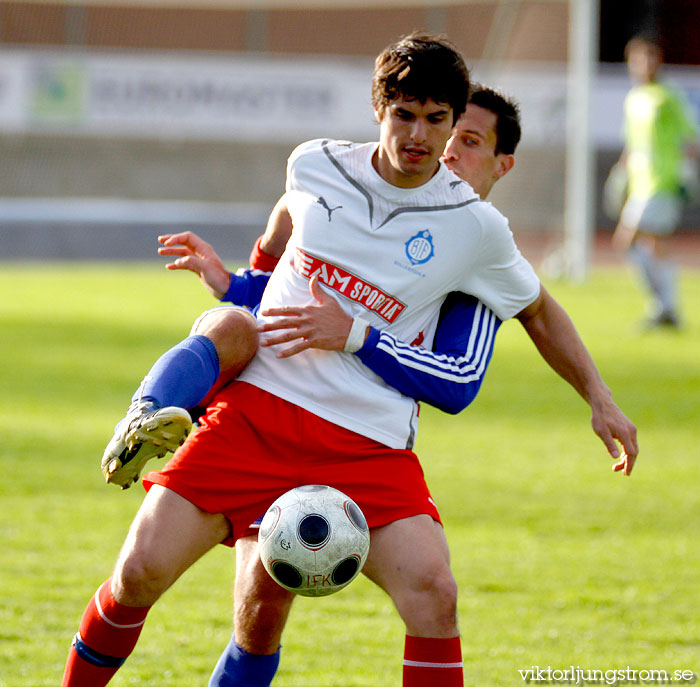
419,248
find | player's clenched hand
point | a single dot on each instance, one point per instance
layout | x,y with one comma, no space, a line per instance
322,324
612,425
198,256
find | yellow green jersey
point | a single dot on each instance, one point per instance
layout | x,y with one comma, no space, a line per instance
658,126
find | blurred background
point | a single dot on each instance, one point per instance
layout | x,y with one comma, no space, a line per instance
124,119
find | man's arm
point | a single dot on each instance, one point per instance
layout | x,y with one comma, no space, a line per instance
557,340
196,255
277,231
448,377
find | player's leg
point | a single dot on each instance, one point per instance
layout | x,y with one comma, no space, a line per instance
409,559
168,534
261,608
655,220
653,257
234,333
221,343
666,274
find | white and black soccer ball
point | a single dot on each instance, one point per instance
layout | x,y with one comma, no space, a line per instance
314,540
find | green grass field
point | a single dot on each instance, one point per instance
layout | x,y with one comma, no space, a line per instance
560,562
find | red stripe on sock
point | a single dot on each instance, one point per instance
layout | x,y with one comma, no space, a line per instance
117,613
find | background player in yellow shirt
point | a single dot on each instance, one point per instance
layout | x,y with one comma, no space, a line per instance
660,149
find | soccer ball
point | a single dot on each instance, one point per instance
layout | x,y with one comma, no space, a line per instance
313,540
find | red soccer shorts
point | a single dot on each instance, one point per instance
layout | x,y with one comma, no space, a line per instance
252,446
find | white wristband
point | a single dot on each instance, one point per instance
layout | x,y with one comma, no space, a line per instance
356,337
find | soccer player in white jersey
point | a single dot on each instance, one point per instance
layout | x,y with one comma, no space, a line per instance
410,233
480,151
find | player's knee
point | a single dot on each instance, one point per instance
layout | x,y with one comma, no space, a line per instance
264,604
443,589
432,601
140,581
265,611
234,334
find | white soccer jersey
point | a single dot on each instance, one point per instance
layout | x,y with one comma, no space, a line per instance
391,255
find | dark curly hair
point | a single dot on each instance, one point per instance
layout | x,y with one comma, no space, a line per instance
421,66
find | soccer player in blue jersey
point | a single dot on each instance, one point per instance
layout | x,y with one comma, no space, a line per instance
118,610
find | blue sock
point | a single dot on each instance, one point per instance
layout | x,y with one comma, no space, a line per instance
238,668
642,257
667,277
183,375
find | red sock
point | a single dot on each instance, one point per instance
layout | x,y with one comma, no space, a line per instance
108,634
431,662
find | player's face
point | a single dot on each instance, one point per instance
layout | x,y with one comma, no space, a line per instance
643,63
471,150
411,140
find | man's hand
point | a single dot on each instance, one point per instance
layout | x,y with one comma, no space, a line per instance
611,424
199,257
322,324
